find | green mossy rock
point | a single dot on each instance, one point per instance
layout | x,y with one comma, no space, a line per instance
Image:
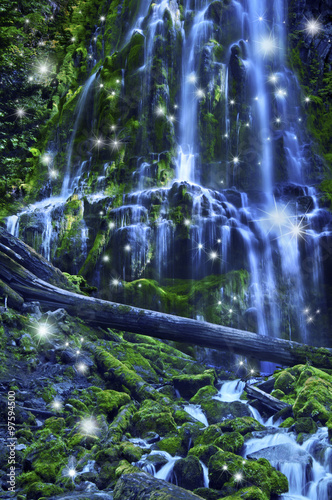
188,385
204,452
124,467
204,393
210,434
278,394
285,382
231,441
224,465
153,417
189,473
249,493
216,411
39,489
110,401
306,425
243,425
207,493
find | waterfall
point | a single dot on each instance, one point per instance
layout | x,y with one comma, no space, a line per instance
66,190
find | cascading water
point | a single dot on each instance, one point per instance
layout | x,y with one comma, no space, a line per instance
268,231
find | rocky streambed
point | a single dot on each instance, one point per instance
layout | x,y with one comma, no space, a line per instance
102,414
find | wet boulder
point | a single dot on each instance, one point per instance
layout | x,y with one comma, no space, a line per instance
189,473
188,385
146,487
216,411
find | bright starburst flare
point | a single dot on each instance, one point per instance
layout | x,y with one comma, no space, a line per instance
267,45
235,160
106,258
127,248
160,111
187,222
280,93
192,78
88,426
273,78
171,118
111,225
115,282
82,368
115,144
238,477
306,99
213,255
313,27
200,94
97,142
20,112
70,469
57,405
42,331
232,102
297,229
53,174
102,18
278,217
46,159
43,69
278,120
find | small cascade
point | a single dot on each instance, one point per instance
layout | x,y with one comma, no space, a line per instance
166,472
231,391
196,412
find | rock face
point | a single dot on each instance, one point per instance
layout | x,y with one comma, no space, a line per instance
144,487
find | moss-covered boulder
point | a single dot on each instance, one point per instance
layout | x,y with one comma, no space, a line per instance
204,393
109,402
243,425
153,417
228,469
230,441
314,400
249,493
188,385
216,411
306,425
285,382
189,473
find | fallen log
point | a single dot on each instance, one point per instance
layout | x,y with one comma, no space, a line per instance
266,399
153,323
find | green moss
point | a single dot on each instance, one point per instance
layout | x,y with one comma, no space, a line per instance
230,441
109,401
243,425
258,473
204,393
204,452
153,417
188,385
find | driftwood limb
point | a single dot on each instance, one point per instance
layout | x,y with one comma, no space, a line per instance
18,276
266,399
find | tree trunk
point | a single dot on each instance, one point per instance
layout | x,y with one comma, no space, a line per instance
145,322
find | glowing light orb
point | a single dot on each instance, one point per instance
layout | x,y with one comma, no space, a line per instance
175,106
88,426
192,78
273,78
127,248
57,405
241,363
200,94
200,246
232,102
106,258
73,39
160,111
20,112
43,330
78,351
267,45
53,174
313,27
219,302
225,467
318,311
231,310
171,118
43,68
82,339
307,99
82,367
238,477
213,255
111,225
236,160
219,240
102,18
115,282
72,473
281,93
186,222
